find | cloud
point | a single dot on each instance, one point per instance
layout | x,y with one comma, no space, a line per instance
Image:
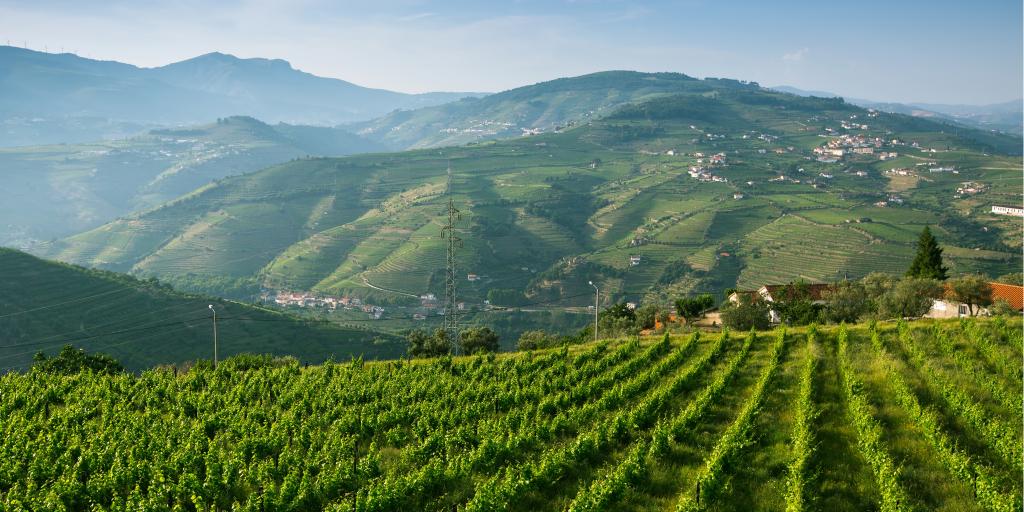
796,56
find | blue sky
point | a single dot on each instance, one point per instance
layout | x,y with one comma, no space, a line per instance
908,51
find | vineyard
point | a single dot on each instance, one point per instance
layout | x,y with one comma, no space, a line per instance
889,416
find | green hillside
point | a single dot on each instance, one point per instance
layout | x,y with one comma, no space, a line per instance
542,215
45,305
541,107
55,191
921,416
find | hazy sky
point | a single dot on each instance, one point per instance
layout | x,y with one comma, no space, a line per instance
925,51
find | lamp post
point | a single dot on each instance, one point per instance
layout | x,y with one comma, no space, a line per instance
214,336
597,303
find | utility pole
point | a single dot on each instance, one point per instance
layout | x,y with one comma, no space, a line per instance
451,321
214,336
597,304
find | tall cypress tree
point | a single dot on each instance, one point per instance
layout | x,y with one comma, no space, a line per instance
928,260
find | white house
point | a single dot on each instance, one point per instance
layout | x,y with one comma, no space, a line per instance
1008,210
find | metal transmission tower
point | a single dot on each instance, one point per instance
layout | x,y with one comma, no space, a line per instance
451,319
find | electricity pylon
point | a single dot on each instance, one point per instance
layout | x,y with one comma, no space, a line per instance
451,314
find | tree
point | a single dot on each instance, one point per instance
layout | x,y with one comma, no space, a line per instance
972,290
71,360
422,344
479,339
532,340
646,315
795,306
1002,307
748,313
846,301
928,260
693,307
617,319
910,297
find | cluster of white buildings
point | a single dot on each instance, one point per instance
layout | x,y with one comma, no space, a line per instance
311,300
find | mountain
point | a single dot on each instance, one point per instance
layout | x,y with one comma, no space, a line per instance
45,88
543,107
45,305
54,191
701,191
1006,117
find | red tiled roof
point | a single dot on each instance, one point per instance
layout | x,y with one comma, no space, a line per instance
1010,293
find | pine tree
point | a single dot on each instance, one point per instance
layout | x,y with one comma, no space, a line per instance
928,260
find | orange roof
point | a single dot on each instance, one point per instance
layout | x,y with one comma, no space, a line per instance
1010,293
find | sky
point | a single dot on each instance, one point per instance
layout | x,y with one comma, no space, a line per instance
938,51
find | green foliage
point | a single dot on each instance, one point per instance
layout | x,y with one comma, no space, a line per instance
646,315
694,307
505,297
908,298
748,313
596,427
533,340
972,290
71,360
795,305
423,344
1001,307
927,263
846,302
1014,278
475,340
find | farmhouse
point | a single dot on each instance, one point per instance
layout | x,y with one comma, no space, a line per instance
634,261
1008,210
472,277
948,308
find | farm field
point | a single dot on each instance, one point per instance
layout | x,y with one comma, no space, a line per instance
894,416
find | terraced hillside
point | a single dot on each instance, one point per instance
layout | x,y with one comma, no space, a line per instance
537,108
45,305
55,191
692,192
922,416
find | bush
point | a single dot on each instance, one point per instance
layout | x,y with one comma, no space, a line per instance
533,340
422,344
476,340
71,360
909,297
748,313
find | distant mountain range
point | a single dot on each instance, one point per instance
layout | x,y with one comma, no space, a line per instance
41,90
57,190
1006,117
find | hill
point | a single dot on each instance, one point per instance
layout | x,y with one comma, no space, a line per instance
55,191
45,305
542,107
733,187
1006,117
922,416
85,99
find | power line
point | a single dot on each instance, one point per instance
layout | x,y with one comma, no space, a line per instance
80,299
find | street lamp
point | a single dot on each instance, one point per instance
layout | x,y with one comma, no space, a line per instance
597,303
214,336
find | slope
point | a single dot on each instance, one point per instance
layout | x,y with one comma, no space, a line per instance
542,107
54,191
44,305
692,188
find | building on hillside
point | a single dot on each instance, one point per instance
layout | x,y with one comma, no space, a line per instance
1008,210
472,277
634,261
776,292
948,308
